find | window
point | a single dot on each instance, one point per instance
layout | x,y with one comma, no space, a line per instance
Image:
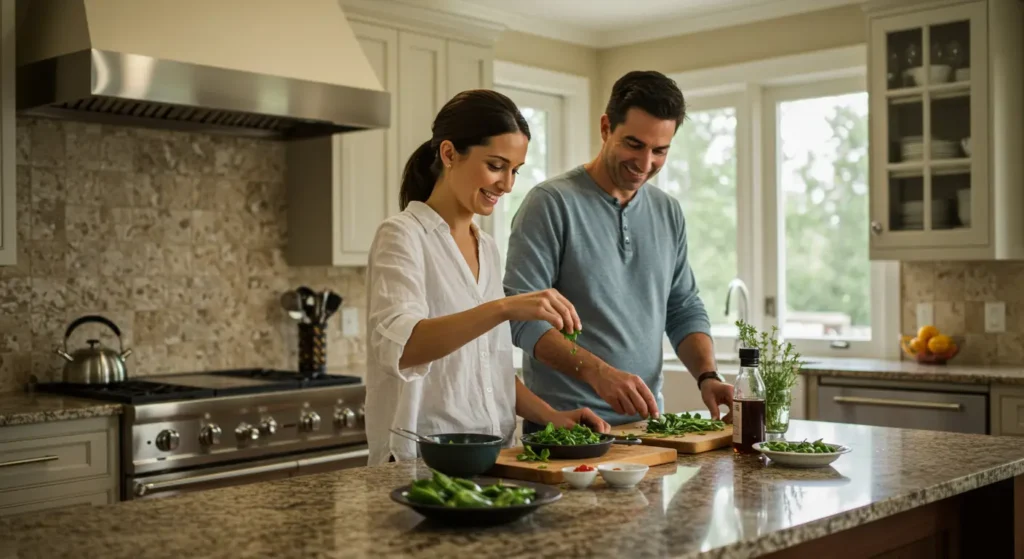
544,159
557,107
701,173
771,169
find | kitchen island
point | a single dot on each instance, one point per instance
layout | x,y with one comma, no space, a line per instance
897,489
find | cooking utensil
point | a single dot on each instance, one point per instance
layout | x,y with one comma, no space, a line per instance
405,433
291,304
576,451
332,304
461,454
308,300
509,466
690,443
96,364
480,516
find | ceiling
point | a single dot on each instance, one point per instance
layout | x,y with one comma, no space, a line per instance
610,23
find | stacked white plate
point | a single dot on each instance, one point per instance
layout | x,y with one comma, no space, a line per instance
913,148
912,214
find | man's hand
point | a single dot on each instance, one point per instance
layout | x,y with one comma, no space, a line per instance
714,393
627,394
568,419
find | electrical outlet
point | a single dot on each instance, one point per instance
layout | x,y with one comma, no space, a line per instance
350,322
925,314
995,317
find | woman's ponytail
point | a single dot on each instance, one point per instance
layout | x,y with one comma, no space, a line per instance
420,175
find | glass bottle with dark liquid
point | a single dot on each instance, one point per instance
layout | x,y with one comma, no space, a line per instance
748,403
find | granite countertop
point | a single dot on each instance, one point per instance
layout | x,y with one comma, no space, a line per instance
24,408
891,369
714,503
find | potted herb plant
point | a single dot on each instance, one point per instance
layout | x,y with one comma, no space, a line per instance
779,368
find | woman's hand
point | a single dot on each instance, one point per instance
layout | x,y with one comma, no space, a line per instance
547,305
568,419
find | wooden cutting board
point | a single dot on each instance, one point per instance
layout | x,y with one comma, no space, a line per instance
691,443
508,467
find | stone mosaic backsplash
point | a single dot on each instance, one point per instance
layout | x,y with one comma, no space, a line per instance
959,291
176,237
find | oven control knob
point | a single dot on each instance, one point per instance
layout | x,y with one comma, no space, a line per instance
268,426
345,418
310,421
167,440
246,432
209,435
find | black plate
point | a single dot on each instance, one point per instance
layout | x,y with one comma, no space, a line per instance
481,516
574,451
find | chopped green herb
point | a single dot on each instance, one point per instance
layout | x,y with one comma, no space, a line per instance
672,424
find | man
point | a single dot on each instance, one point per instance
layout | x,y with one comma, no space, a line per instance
616,248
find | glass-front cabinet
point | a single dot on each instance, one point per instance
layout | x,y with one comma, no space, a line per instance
931,113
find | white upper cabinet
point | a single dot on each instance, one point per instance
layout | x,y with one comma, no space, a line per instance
8,248
341,188
945,83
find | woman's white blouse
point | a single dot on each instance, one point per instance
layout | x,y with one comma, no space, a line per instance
416,272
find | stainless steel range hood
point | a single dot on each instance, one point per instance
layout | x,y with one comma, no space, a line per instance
267,68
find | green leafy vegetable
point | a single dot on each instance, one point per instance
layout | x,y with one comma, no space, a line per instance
551,435
816,447
528,455
673,424
441,490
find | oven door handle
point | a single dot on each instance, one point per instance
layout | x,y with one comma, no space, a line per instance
340,457
146,488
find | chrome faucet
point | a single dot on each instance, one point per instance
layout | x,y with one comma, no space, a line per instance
743,310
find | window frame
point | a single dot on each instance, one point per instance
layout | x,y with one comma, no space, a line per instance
759,85
575,130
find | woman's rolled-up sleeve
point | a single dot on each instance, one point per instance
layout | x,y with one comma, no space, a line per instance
397,298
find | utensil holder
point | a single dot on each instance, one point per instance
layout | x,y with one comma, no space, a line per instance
312,349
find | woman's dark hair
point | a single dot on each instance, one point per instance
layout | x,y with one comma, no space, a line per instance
653,92
469,119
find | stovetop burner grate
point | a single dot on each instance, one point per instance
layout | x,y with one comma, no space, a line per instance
128,392
138,391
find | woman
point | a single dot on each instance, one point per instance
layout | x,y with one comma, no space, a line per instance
439,351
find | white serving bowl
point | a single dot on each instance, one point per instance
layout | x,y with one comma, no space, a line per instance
962,75
965,144
621,475
938,73
802,459
579,480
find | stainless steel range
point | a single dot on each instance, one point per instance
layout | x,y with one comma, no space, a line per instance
195,431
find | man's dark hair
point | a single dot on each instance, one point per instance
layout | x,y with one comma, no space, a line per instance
653,92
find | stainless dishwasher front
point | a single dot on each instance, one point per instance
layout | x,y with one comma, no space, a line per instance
905,408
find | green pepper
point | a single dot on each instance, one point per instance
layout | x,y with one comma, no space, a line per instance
505,499
424,495
468,499
445,482
492,491
467,484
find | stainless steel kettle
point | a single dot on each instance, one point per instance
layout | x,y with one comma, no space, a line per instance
95,364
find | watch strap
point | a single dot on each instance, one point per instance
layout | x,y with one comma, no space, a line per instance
705,376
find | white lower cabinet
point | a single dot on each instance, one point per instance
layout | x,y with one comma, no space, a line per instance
341,188
58,464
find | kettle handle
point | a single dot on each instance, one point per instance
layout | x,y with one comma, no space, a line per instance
93,318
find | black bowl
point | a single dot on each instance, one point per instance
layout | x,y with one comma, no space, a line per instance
466,455
572,451
481,516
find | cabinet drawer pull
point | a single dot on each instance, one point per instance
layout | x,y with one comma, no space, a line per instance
22,462
897,403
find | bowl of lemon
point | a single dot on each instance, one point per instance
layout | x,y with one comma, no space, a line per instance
931,346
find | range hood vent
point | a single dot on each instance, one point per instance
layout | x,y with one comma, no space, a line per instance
142,64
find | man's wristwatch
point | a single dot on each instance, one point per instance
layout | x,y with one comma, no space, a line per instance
710,374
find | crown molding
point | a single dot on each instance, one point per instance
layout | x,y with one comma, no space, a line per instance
608,39
425,17
718,20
